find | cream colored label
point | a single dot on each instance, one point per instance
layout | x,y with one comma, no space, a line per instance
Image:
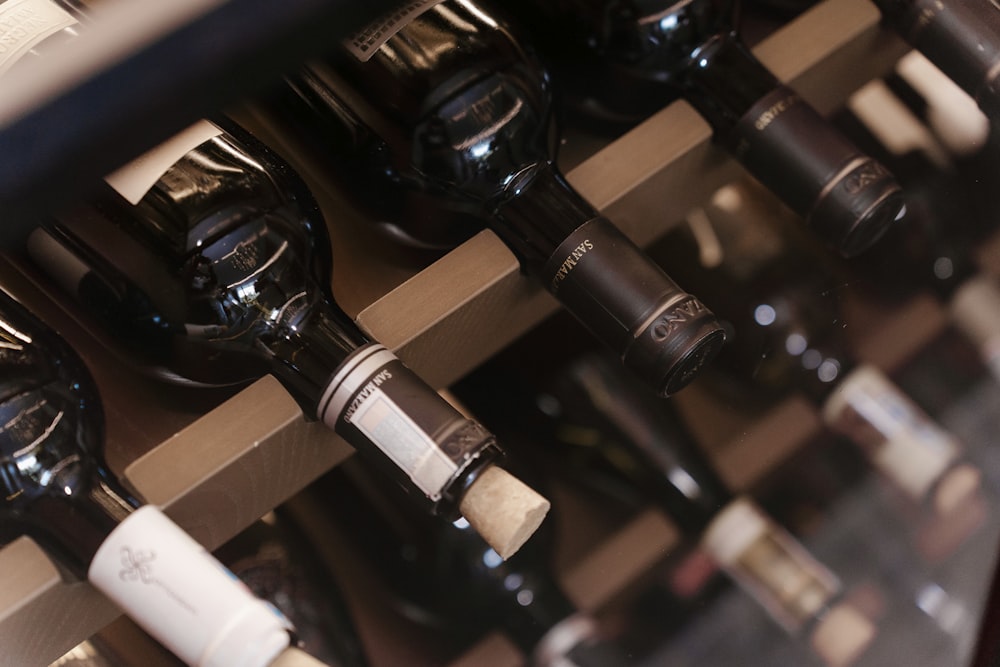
364,43
412,450
174,589
769,563
25,23
137,177
901,440
356,395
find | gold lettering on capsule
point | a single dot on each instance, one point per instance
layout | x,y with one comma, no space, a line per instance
674,318
870,172
768,115
570,262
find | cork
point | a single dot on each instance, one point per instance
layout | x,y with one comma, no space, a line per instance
293,657
503,510
842,635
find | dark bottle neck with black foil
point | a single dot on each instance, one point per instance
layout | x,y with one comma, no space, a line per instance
960,37
775,291
466,141
647,54
930,249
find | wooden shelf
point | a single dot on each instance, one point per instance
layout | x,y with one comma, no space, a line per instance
216,470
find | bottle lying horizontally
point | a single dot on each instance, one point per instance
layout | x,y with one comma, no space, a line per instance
951,210
445,577
961,37
620,62
208,260
279,562
439,122
782,299
58,490
601,430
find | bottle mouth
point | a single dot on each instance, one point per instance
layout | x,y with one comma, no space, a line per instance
858,208
699,353
672,349
889,209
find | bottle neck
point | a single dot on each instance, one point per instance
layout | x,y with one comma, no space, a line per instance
724,80
536,212
306,348
72,526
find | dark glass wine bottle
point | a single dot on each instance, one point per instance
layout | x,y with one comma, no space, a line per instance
620,62
439,120
444,576
781,299
208,260
58,490
597,424
278,561
951,209
961,37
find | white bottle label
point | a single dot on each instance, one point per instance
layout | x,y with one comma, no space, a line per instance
901,440
25,23
364,43
172,587
357,396
136,178
769,563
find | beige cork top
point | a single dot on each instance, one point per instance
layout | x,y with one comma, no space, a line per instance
503,510
293,657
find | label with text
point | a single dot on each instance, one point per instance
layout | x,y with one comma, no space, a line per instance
174,589
25,23
364,43
363,402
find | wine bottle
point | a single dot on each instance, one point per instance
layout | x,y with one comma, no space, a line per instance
277,560
445,577
781,300
208,260
620,62
439,120
950,213
58,490
587,411
961,37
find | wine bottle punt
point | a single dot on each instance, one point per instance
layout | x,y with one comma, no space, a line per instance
620,62
439,120
207,259
58,490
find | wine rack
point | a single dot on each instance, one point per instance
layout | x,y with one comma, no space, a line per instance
216,462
